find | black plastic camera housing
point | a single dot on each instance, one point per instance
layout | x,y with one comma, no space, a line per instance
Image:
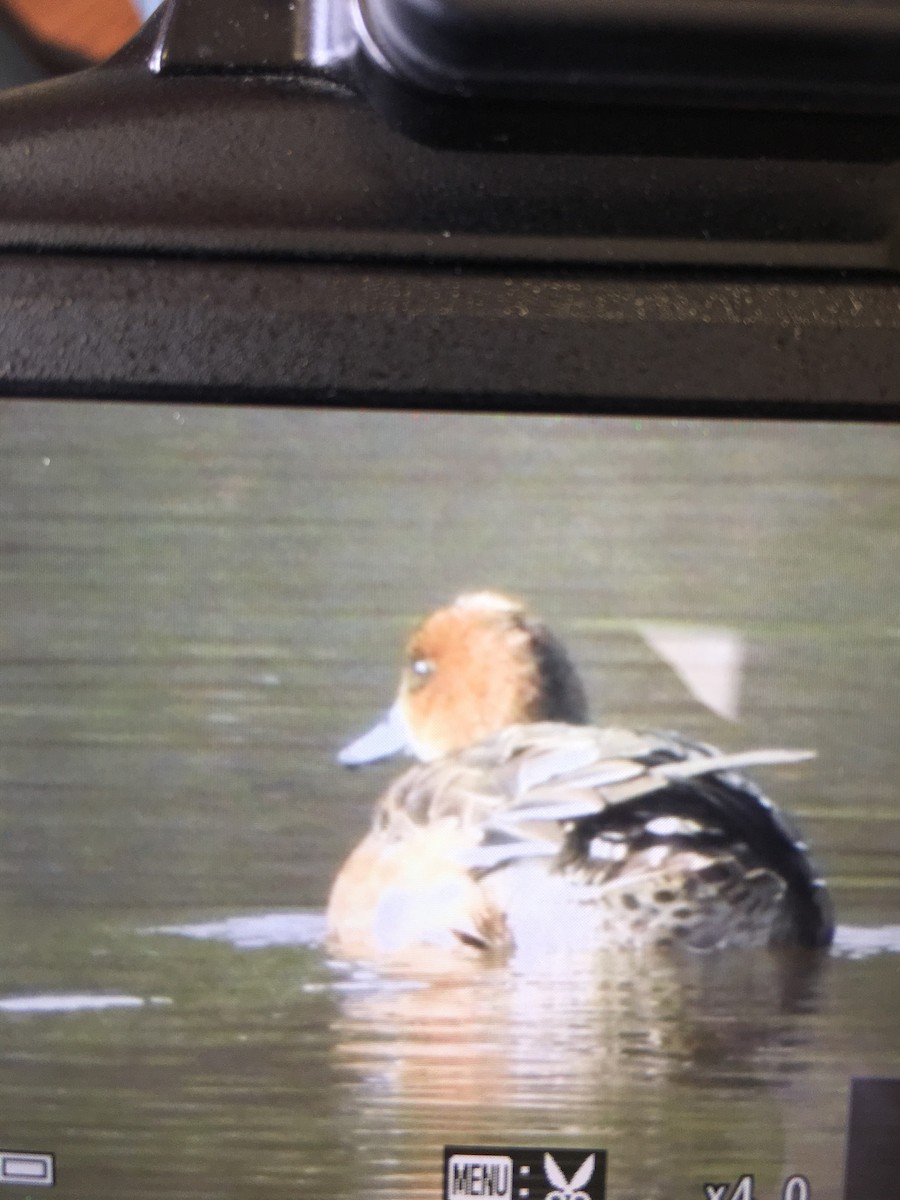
573,207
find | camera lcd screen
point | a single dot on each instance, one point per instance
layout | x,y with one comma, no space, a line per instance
203,606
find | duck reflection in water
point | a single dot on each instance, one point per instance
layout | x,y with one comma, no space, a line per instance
525,831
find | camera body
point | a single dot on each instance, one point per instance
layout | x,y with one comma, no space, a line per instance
271,200
347,214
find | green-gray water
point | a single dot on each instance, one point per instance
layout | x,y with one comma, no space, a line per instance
200,606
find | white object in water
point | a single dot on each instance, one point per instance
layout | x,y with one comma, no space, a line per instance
709,661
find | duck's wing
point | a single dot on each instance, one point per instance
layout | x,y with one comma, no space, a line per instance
623,805
616,809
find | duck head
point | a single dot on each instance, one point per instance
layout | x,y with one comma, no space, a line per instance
471,669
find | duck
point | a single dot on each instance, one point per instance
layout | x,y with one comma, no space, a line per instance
522,827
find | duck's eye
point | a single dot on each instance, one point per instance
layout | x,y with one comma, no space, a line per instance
421,669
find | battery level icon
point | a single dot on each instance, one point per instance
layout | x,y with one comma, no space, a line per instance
21,1167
